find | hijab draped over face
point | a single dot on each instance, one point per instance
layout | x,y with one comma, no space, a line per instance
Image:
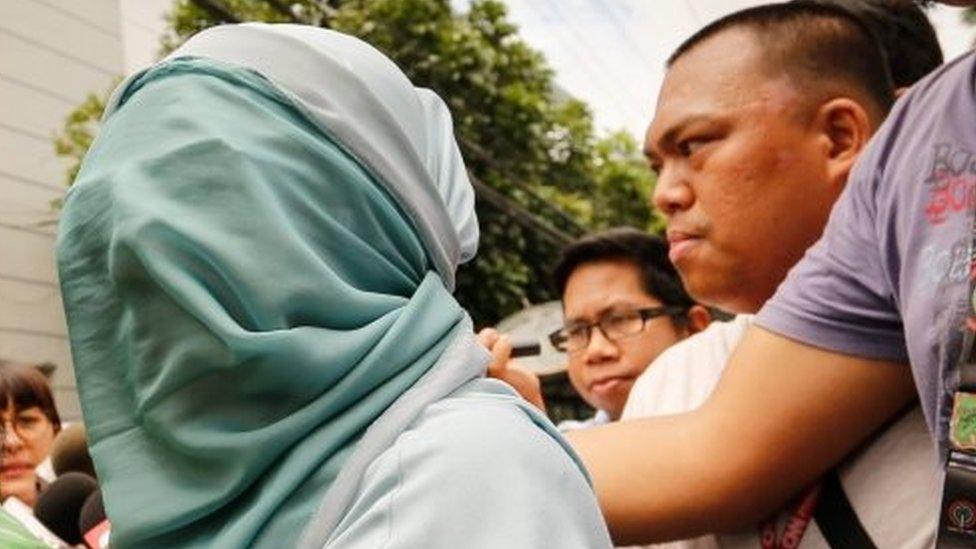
257,261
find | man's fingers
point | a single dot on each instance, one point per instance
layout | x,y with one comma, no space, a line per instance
500,355
504,368
488,337
501,351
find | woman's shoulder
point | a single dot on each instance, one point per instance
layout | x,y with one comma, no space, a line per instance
481,422
477,469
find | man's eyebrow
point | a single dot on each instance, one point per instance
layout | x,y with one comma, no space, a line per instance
610,307
651,156
600,313
663,142
669,136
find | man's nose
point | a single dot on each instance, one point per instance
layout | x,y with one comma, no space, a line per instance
672,192
600,348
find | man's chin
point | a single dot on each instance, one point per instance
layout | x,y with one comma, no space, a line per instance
701,282
716,291
612,402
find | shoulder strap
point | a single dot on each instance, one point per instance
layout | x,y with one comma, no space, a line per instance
836,517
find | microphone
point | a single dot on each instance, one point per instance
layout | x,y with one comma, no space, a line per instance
59,506
94,525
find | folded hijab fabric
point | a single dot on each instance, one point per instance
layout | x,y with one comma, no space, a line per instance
256,261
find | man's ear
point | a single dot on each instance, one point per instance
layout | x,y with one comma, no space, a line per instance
698,319
845,127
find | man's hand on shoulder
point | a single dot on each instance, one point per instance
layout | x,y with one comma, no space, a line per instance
504,368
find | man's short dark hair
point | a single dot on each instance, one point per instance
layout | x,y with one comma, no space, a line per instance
646,252
813,43
904,31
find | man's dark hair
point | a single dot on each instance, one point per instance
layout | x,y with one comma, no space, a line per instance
813,43
904,31
646,252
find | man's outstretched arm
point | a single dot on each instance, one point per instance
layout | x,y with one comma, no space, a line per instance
782,414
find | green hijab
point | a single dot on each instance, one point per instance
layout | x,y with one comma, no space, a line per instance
256,262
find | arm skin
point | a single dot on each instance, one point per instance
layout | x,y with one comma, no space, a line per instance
782,414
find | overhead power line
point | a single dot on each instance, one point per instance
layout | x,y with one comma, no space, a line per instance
486,194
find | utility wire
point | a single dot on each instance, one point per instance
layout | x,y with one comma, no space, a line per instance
490,196
580,52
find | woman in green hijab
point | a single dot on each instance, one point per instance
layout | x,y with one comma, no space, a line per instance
257,261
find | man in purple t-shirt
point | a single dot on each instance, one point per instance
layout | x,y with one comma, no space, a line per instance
828,364
889,279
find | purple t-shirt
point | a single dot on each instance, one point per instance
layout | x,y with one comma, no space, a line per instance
889,278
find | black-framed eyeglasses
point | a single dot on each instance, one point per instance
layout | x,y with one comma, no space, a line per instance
575,337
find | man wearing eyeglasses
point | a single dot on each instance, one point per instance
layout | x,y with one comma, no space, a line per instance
623,304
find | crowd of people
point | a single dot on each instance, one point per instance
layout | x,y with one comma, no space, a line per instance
30,424
46,474
257,262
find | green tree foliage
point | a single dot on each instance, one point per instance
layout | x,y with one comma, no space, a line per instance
79,130
542,175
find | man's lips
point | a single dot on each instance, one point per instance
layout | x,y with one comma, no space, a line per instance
609,384
680,244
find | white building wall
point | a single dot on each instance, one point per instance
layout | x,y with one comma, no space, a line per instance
52,54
